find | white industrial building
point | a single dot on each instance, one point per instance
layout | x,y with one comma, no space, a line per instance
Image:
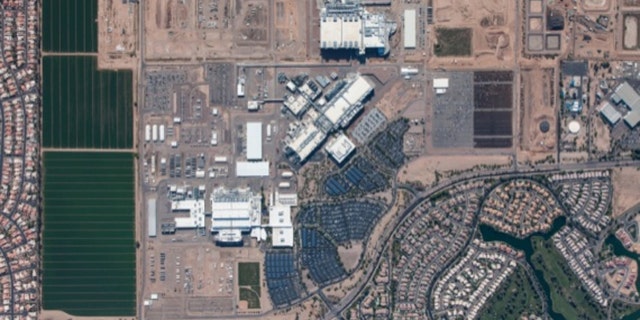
410,29
305,138
628,95
440,85
234,212
185,202
342,109
281,226
296,104
246,169
307,135
254,140
340,147
350,26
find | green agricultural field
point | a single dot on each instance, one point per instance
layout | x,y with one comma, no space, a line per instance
515,298
89,266
453,42
568,297
70,25
84,107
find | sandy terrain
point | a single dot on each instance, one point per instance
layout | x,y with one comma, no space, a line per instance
596,5
492,22
630,32
59,315
350,255
397,98
538,106
423,170
117,35
626,183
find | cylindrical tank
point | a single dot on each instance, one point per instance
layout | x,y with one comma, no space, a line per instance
155,132
162,133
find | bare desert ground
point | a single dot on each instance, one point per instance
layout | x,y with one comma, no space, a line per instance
423,169
626,183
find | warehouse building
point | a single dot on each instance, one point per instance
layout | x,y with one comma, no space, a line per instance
246,169
610,113
410,29
254,140
628,95
233,213
349,26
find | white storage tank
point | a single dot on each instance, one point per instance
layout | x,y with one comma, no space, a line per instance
155,132
147,133
162,133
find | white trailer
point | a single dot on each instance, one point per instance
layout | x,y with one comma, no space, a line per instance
162,133
155,133
147,133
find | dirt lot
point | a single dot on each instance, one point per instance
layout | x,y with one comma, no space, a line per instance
117,35
538,108
398,97
177,30
350,255
423,170
491,22
626,183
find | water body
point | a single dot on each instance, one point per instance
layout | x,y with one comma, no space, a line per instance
525,245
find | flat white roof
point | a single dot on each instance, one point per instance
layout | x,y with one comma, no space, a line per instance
441,83
354,93
152,225
196,213
306,139
341,32
234,209
282,237
610,113
254,140
252,169
296,104
280,216
340,147
410,29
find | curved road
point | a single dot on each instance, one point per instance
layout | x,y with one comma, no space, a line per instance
351,297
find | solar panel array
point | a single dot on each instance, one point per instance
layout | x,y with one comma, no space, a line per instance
282,278
320,256
348,221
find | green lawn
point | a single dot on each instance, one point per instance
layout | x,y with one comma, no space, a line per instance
252,297
249,276
515,297
568,298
